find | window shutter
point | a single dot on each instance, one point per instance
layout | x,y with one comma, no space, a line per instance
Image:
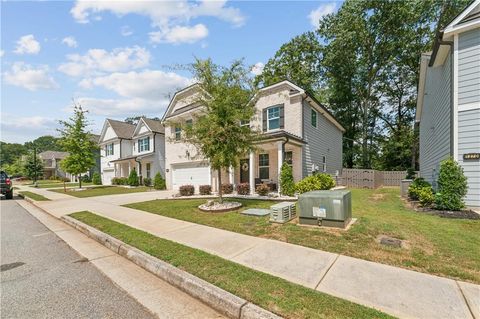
265,119
282,117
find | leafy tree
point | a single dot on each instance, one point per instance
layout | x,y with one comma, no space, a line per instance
45,143
78,141
133,178
159,182
226,96
33,167
298,61
452,186
134,119
17,168
96,179
287,185
10,152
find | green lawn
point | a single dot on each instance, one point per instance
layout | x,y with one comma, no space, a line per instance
270,292
33,196
440,246
102,190
52,185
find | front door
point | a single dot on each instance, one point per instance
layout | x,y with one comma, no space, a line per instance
244,171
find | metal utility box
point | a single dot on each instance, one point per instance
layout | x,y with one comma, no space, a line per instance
282,212
325,208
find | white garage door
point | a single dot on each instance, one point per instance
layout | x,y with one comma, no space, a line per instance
107,176
193,174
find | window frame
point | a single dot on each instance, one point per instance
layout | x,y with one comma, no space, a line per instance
275,118
142,146
177,133
109,149
148,169
291,158
312,113
324,164
262,166
244,123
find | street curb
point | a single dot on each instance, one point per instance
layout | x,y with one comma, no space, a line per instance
223,301
28,199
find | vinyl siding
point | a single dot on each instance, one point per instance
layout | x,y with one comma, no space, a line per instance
469,67
435,121
469,142
323,140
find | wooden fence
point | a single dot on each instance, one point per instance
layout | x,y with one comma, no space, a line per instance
370,178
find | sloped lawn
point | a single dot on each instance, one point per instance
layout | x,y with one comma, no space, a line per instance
440,246
101,191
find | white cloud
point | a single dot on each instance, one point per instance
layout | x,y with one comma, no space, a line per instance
126,31
28,77
97,61
121,107
147,85
165,16
27,45
29,122
180,34
257,69
2,53
320,12
70,41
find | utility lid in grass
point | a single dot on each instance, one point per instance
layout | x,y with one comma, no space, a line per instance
256,212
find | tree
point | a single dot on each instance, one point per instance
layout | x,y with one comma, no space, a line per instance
287,185
45,143
10,152
159,182
134,119
78,141
226,97
133,178
33,167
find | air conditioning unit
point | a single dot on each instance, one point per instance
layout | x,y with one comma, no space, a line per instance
282,212
325,208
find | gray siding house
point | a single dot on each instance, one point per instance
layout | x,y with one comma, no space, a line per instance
448,103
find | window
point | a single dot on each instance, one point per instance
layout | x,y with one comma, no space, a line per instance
288,158
244,123
324,164
189,123
313,118
273,116
148,169
178,133
144,144
263,164
109,149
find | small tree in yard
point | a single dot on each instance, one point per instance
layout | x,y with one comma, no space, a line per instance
226,97
133,178
452,186
159,182
287,185
78,142
33,167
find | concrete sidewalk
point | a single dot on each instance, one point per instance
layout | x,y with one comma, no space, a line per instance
400,292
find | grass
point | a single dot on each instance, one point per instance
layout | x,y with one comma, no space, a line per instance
439,246
33,196
59,184
270,292
102,191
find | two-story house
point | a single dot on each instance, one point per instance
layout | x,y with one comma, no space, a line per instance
295,128
125,146
51,164
448,102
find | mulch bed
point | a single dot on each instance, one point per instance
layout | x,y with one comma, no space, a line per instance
460,214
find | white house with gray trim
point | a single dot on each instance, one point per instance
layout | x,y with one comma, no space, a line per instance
295,128
448,103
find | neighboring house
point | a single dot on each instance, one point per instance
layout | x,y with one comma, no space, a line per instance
125,146
51,164
448,103
295,127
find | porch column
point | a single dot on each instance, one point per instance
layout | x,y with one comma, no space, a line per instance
251,170
114,169
129,168
231,175
279,164
121,169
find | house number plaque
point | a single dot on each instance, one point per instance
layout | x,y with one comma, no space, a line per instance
471,156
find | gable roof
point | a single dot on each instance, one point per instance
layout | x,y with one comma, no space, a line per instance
154,125
468,19
53,154
168,111
122,129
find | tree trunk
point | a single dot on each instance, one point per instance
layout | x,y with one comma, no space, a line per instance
79,181
220,198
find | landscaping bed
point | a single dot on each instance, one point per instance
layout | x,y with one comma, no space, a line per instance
440,246
460,214
272,293
101,191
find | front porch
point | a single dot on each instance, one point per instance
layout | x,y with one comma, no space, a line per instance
142,164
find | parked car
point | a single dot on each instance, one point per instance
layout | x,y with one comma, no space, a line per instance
6,185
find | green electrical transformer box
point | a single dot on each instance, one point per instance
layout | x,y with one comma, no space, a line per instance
325,208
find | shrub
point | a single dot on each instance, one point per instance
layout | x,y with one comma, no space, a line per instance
205,189
187,190
119,181
65,179
86,179
243,189
147,181
263,189
452,186
410,173
414,188
53,178
227,188
133,178
426,196
96,179
159,182
287,185
315,182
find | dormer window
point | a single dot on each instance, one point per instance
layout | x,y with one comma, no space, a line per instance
109,149
144,144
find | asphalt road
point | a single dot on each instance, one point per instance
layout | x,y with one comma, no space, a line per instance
42,277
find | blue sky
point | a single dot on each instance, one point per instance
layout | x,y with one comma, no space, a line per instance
116,57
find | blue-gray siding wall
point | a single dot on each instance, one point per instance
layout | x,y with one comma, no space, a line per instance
435,121
323,140
469,67
469,110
